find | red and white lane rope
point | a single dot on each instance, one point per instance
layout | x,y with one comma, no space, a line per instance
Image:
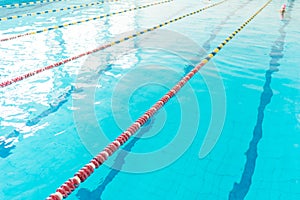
65,189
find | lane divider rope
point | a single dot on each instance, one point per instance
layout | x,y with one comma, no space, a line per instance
65,189
83,20
37,71
55,10
17,5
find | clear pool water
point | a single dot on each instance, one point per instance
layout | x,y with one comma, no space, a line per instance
246,100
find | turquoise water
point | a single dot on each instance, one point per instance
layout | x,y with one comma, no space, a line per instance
53,123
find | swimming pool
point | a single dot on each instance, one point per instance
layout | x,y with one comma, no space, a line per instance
246,98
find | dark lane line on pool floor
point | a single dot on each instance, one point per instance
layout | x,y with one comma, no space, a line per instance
241,189
206,44
7,142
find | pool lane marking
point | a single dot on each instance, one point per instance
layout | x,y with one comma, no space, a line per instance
8,142
83,21
241,188
55,10
37,71
17,5
81,175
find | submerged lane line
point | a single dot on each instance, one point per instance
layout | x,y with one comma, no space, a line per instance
37,71
55,10
83,20
240,189
206,44
17,5
8,142
81,175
